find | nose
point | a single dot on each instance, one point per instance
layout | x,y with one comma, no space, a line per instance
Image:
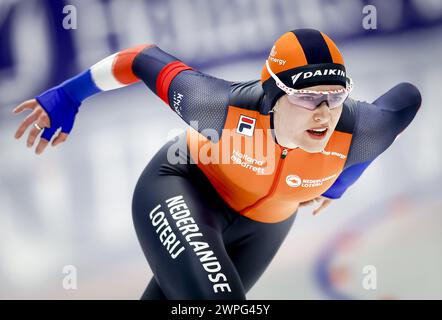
321,113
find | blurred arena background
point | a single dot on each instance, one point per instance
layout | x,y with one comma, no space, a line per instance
72,205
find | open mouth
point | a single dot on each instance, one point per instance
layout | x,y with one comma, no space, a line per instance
317,133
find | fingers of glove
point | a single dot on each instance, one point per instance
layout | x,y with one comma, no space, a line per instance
27,122
68,124
42,144
48,133
28,104
62,137
33,134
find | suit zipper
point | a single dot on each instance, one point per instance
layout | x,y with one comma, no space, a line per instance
278,172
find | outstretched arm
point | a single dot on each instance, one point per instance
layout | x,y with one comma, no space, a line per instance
377,126
191,94
379,123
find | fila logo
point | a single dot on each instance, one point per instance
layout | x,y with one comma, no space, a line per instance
246,125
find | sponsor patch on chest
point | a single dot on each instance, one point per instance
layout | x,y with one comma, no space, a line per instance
294,181
246,125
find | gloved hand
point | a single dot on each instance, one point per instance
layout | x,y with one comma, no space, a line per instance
61,109
52,110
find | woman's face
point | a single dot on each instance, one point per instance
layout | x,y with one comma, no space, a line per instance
294,124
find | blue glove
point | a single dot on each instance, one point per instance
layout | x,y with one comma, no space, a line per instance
61,109
62,102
